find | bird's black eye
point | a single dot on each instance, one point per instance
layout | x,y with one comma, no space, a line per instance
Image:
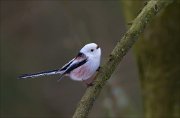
92,50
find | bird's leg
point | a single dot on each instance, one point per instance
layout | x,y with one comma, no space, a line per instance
89,84
86,83
91,80
61,76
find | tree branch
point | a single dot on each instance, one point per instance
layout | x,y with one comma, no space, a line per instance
122,47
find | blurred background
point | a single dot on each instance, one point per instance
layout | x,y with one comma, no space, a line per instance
43,35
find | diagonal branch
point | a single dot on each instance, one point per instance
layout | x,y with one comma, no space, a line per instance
122,47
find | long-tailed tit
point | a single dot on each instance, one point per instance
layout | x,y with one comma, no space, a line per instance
80,68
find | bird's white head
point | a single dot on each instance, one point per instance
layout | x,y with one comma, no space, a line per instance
91,50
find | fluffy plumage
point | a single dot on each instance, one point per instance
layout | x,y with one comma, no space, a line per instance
80,68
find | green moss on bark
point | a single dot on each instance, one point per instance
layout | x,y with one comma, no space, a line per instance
117,54
158,55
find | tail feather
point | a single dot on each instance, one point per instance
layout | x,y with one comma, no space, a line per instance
44,73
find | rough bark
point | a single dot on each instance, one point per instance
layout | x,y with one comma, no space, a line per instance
122,47
158,58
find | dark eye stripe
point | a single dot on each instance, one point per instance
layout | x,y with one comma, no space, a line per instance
79,54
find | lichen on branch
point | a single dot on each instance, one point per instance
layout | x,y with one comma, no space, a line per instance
122,47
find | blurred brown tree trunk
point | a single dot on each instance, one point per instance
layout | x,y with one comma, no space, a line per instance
158,58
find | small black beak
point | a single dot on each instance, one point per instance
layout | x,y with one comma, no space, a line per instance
97,47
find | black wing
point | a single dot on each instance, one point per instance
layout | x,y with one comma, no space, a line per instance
70,62
66,65
75,65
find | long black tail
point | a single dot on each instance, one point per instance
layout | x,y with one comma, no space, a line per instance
44,73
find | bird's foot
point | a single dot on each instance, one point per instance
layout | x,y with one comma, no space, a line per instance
89,84
98,69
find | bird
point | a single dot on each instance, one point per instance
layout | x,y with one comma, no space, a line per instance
81,68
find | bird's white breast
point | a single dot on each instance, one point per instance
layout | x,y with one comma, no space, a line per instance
85,71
